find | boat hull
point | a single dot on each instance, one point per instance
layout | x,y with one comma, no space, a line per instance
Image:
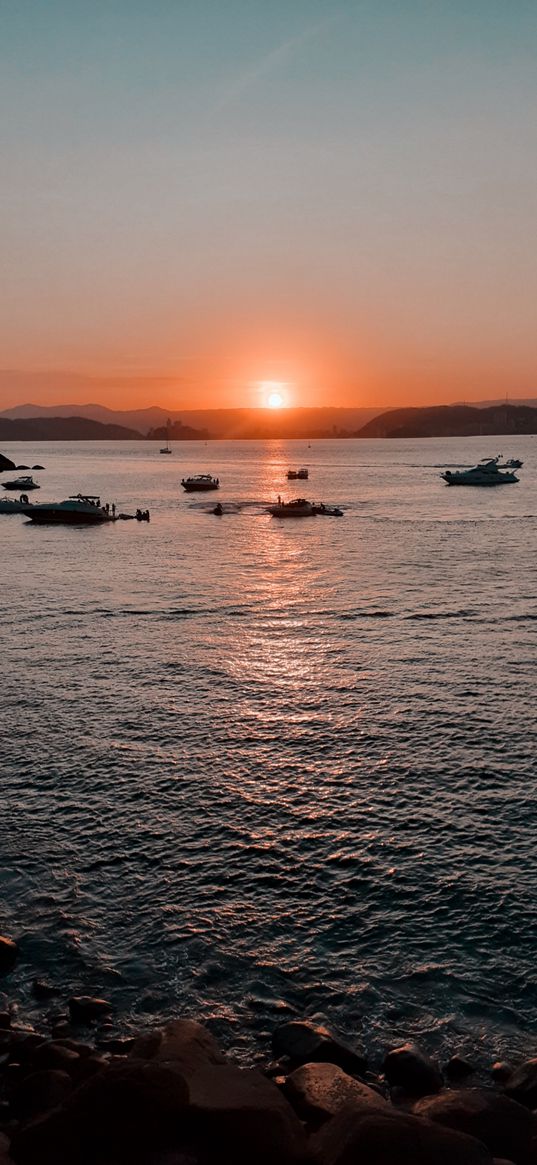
50,516
199,488
508,479
292,511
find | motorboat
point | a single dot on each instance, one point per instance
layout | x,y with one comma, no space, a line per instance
79,509
486,473
22,484
12,506
513,463
200,481
299,508
167,448
328,511
294,474
218,510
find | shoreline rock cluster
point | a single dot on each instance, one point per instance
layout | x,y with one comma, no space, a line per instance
82,1095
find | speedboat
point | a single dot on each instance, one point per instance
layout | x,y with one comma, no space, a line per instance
486,473
513,463
293,474
300,508
11,506
328,511
23,484
201,481
79,510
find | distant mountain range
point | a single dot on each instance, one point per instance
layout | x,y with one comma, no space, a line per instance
69,423
453,421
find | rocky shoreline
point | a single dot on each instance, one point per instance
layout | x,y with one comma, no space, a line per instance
77,1093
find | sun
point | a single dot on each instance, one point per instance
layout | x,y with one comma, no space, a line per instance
273,393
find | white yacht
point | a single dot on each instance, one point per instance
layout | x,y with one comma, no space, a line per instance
486,473
79,510
200,481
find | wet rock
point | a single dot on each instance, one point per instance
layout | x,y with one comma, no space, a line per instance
240,1116
410,1069
501,1071
38,466
307,1043
457,1068
5,463
5,1021
522,1084
43,990
124,1114
86,1008
182,1042
388,1137
24,1045
39,1093
8,954
89,1066
54,1055
119,1045
501,1124
318,1091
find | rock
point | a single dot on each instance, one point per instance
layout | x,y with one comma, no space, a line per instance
318,1091
22,467
5,463
85,1008
8,954
43,990
306,1043
5,1021
457,1068
410,1069
240,1116
522,1084
182,1042
89,1066
119,1045
24,1045
40,1092
501,1071
54,1055
388,1137
501,1124
124,1114
38,466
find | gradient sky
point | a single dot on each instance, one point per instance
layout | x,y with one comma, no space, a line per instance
200,195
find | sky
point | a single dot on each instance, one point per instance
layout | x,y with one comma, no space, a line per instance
202,197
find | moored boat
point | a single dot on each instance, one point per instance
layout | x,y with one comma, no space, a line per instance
14,506
79,510
487,473
328,511
299,508
23,484
200,481
294,474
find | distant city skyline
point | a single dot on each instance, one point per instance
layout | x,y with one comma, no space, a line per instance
198,199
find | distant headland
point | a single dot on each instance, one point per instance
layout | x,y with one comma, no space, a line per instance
97,423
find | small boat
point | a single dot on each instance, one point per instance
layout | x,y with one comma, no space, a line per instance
328,511
299,508
486,473
200,481
11,506
23,484
79,510
513,463
294,474
167,447
218,510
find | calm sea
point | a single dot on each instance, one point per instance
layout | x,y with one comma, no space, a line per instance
255,769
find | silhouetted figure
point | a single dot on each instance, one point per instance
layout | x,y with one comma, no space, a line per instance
113,509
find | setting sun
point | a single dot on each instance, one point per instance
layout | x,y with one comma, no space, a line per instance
273,394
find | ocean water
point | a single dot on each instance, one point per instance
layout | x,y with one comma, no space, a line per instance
255,769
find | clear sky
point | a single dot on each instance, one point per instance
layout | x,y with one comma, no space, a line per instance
201,195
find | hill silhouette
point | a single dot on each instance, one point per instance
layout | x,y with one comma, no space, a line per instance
452,421
64,429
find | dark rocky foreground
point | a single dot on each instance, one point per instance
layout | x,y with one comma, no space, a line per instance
80,1094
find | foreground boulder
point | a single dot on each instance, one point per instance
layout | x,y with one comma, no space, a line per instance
306,1043
185,1044
85,1008
409,1068
318,1091
125,1113
39,1093
239,1116
355,1137
504,1126
8,954
522,1084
